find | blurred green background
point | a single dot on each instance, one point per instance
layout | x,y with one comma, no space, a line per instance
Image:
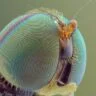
9,9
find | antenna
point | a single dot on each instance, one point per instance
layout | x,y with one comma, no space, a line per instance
82,7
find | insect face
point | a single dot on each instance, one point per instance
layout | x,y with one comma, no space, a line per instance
65,31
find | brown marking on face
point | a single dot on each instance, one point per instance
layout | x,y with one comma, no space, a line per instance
65,31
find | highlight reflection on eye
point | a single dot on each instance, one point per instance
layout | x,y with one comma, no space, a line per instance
35,59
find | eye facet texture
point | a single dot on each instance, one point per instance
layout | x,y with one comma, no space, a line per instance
29,51
78,68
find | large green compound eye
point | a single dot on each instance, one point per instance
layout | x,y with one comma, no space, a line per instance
31,56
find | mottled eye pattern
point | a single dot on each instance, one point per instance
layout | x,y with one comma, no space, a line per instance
36,61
